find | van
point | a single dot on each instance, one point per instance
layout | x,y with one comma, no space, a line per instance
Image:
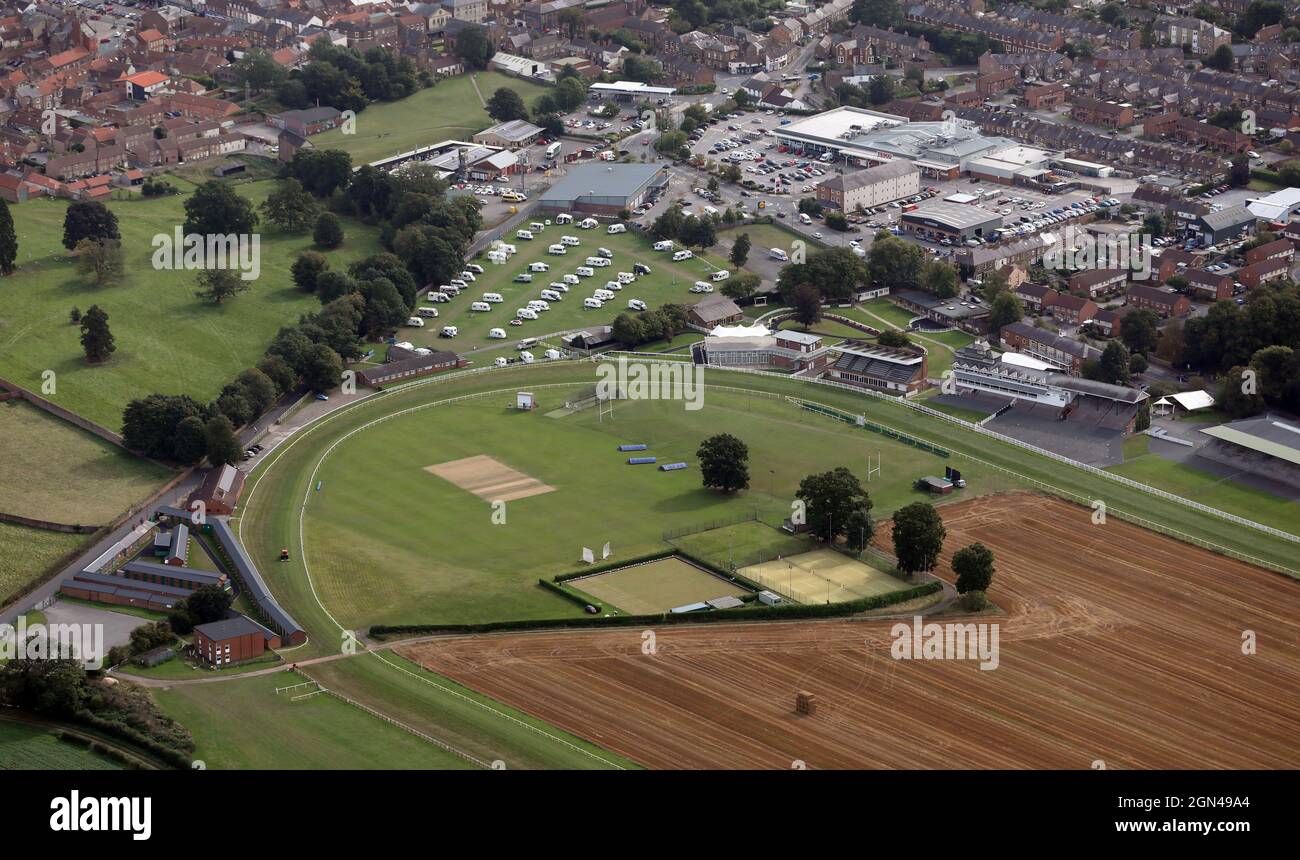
592,303
616,228
526,357
437,296
497,333
720,275
585,271
570,279
552,295
538,267
526,343
626,277
678,256
514,197
804,219
557,250
538,305
427,312
604,252
523,234
710,211
449,331
559,286
635,305
604,295
494,298
663,246
640,269
570,240
778,254
415,321
459,284
537,227
526,314
451,291
475,268
468,277
613,285
480,306
523,278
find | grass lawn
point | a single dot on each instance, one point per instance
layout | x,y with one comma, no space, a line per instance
667,282
177,669
168,341
27,747
372,563
741,544
450,110
885,309
54,471
28,553
1210,489
274,733
459,716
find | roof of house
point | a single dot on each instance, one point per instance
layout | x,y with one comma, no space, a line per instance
714,308
228,628
1096,276
872,175
147,78
1071,302
1047,338
1153,294
1227,218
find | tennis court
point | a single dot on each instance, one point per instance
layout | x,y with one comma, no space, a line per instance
656,586
822,576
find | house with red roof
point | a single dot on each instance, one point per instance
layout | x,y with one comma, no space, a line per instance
142,85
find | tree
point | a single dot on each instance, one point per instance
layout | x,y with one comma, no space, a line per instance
918,537
222,444
672,144
324,368
55,687
190,443
741,286
100,260
8,240
96,339
328,232
876,13
830,501
974,568
1006,309
279,372
740,250
88,219
474,47
880,89
837,220
1140,331
698,233
895,338
807,305
208,603
628,330
1114,364
324,171
290,207
74,315
1221,59
938,279
258,71
506,105
150,425
895,263
724,463
217,285
307,269
1238,396
1154,225
215,209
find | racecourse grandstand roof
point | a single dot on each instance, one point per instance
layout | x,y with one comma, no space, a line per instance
1266,435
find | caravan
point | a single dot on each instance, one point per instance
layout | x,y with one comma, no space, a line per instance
592,304
635,305
557,250
523,278
585,271
497,333
613,285
450,331
523,234
536,227
480,306
538,267
598,262
538,305
564,218
552,295
778,254
507,249
438,296
570,240
663,246
683,254
570,279
626,277
720,275
616,228
427,311
559,286
589,224
468,277
526,357
526,314
415,321
603,295
494,298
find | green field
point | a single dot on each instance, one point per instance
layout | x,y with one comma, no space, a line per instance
27,747
243,724
1208,488
656,586
372,564
450,110
30,552
55,471
667,282
167,340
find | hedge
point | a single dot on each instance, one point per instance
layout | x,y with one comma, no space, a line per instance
568,595
170,755
749,613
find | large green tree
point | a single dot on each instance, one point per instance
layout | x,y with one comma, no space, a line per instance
290,207
973,565
834,502
724,463
918,537
216,209
223,445
88,219
96,339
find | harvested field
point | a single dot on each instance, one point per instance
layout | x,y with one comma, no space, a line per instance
1118,644
489,478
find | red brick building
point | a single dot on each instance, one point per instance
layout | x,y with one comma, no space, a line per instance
1097,281
1073,309
1262,272
1209,285
232,640
1277,249
1167,303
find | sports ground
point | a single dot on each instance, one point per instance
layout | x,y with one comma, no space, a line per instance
656,586
1117,645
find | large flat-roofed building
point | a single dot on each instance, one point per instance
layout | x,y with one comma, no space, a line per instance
954,312
514,134
874,186
604,189
788,350
1266,445
869,365
940,150
1012,165
954,221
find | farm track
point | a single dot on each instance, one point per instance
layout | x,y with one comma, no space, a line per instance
1117,644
